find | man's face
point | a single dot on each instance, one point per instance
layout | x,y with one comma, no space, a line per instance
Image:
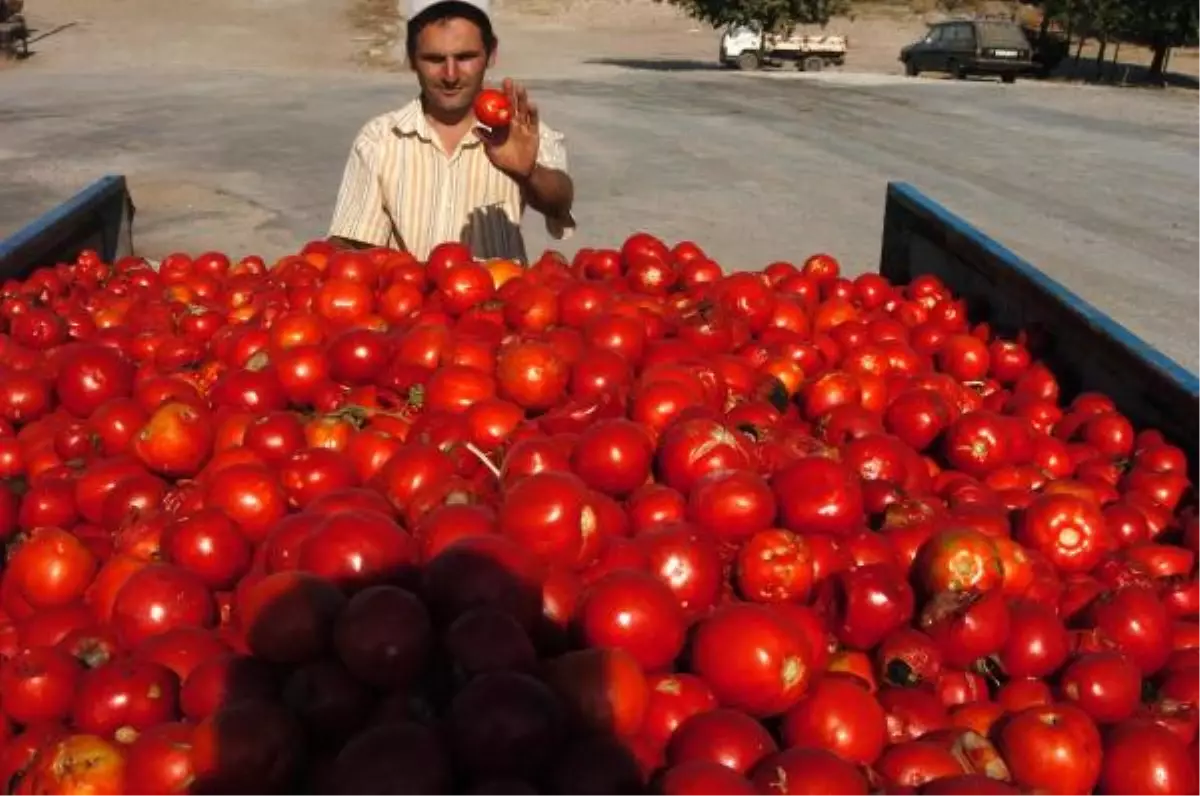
450,62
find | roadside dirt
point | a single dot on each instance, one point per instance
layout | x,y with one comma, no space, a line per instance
547,36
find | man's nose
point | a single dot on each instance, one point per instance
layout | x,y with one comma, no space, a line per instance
450,72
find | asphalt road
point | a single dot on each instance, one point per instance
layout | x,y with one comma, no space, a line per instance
1098,187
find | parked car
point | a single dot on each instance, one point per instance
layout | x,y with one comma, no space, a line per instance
965,47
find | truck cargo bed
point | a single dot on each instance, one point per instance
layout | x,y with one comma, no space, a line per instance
1086,349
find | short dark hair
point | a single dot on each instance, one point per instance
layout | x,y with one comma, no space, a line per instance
450,10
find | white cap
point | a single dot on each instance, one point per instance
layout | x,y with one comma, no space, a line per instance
416,7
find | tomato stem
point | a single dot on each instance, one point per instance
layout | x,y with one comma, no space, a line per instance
482,457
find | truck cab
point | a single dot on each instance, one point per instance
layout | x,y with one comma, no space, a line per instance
741,46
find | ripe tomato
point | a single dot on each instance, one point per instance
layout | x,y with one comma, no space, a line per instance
125,695
176,441
1142,756
958,560
38,685
731,505
724,736
1052,747
531,374
774,566
801,771
1070,531
838,715
1106,685
865,604
604,690
752,658
699,777
635,612
818,495
50,568
77,764
613,456
492,108
1133,620
90,376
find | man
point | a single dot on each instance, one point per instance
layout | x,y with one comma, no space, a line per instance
428,173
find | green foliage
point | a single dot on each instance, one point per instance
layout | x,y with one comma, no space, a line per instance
1171,23
1158,24
771,14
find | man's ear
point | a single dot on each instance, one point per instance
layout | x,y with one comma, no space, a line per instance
491,61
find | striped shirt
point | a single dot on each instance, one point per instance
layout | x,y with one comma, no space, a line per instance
401,188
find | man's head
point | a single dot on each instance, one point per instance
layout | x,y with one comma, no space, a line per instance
450,46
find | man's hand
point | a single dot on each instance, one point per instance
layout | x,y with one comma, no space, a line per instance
514,149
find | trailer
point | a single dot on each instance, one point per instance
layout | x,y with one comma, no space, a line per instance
1085,348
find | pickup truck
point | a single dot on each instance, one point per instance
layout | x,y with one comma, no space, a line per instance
1086,349
748,48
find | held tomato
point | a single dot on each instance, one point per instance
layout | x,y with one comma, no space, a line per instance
492,108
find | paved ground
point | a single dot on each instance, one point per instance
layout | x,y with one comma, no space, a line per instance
1100,190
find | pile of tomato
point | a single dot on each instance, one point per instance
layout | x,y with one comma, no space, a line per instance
354,523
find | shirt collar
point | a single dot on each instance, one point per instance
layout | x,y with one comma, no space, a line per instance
410,121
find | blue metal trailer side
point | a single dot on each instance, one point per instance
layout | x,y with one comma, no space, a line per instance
100,217
1086,349
1083,346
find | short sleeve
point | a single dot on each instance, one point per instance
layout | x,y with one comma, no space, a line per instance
552,150
552,154
359,213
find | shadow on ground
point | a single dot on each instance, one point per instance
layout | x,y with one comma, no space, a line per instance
659,64
1119,74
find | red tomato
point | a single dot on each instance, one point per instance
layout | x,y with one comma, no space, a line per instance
840,716
492,108
1141,756
752,659
1052,747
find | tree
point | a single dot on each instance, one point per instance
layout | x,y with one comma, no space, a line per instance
771,14
1161,25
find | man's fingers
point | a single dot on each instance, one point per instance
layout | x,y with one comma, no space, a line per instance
490,137
520,103
510,91
532,111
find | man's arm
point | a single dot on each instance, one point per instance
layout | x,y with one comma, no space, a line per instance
359,218
550,189
346,244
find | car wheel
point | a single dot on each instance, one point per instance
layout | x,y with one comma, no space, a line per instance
955,69
910,69
748,62
1008,78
